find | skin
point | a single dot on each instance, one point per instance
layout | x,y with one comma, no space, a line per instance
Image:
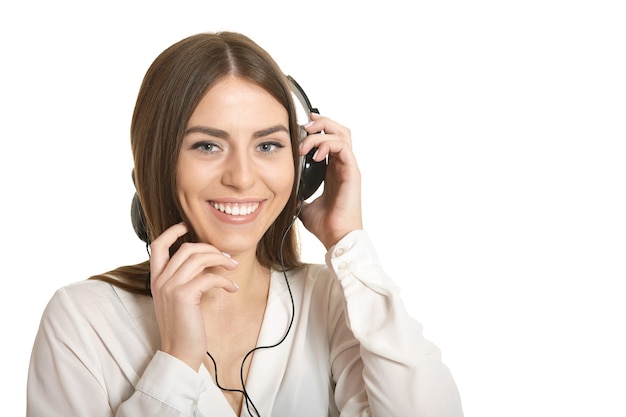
211,295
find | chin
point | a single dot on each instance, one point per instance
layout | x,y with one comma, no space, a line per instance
234,245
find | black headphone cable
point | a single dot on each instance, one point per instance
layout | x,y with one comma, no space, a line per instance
243,389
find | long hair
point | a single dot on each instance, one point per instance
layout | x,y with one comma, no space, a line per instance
171,89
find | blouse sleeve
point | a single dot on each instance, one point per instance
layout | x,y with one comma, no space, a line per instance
168,387
70,373
400,372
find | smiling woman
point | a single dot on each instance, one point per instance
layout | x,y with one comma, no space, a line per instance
224,319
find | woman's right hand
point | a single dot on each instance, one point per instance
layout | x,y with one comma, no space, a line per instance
178,284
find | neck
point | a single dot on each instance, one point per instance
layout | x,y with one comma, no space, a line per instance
252,279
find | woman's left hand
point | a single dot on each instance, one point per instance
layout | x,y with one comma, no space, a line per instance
337,211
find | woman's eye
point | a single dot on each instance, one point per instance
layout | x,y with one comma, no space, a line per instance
207,147
269,147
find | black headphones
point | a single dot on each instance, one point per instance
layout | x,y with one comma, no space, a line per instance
309,177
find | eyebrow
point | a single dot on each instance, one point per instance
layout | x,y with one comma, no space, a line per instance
270,130
218,133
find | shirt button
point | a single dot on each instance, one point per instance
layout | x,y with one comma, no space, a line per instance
343,265
340,252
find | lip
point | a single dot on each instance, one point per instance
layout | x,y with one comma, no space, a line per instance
235,219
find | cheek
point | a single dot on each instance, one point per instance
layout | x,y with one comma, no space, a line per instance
184,185
286,178
280,179
192,173
187,185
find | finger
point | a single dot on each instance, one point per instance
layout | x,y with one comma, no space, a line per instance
337,149
196,264
339,134
326,125
204,282
193,261
160,247
324,140
190,293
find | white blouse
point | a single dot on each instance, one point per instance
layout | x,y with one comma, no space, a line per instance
353,350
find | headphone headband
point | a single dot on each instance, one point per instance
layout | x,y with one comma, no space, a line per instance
301,95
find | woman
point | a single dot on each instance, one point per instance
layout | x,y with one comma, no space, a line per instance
231,323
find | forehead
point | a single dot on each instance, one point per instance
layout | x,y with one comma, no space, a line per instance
234,98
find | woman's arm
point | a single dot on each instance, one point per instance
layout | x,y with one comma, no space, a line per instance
400,372
77,368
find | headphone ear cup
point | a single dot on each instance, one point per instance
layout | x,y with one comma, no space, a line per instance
137,217
312,175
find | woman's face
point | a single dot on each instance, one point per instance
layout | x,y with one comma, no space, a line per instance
235,169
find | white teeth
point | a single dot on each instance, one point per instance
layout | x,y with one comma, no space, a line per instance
236,209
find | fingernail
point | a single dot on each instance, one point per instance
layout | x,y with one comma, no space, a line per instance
230,257
309,124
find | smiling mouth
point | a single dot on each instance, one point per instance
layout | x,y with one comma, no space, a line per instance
236,209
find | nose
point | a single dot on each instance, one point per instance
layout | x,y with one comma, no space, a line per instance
239,172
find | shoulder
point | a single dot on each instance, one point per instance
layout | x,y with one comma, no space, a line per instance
93,292
97,303
94,324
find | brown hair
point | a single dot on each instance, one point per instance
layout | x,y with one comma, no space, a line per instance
171,89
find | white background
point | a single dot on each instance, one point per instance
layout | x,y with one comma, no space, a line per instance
491,138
